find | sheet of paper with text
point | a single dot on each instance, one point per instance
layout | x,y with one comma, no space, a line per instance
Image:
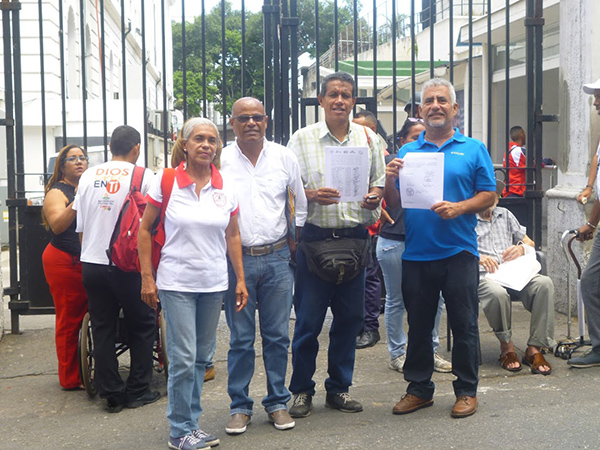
347,170
422,180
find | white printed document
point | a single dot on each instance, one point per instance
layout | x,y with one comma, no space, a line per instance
517,273
347,170
422,180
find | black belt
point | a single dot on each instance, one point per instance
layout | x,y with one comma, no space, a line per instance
261,250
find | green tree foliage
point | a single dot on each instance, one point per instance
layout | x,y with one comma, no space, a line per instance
254,70
253,79
306,29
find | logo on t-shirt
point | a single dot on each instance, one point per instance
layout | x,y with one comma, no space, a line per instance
220,199
113,186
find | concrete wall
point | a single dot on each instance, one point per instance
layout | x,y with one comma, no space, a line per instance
578,132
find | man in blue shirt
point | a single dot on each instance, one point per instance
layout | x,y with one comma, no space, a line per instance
441,252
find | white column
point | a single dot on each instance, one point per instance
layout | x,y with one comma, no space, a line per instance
579,130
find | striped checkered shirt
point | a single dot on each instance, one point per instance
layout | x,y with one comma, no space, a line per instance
309,146
494,236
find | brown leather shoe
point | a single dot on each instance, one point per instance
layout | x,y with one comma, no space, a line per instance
465,406
409,403
209,373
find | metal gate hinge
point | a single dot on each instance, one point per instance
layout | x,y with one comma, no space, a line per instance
8,5
290,21
534,21
270,9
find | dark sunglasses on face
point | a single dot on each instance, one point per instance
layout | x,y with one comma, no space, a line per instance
245,118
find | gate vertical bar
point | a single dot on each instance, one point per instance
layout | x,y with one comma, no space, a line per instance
355,41
268,51
43,91
285,73
413,85
336,38
204,99
223,72
294,61
534,23
243,78
394,72
489,77
82,35
63,94
144,76
165,115
183,63
124,34
277,74
19,147
375,55
431,38
103,72
470,107
451,41
317,56
13,290
507,93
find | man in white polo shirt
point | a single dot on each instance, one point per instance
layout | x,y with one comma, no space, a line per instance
263,171
102,191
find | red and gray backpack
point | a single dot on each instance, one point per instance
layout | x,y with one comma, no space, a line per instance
123,248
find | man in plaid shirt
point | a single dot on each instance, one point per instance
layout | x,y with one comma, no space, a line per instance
501,238
328,217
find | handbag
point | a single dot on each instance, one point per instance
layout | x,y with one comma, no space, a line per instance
336,260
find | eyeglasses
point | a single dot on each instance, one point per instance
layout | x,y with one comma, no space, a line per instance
244,118
81,158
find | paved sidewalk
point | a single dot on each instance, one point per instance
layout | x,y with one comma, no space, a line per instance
518,410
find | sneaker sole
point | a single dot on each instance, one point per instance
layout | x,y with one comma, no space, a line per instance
582,366
177,448
300,416
212,443
287,426
442,370
408,411
140,403
236,430
327,405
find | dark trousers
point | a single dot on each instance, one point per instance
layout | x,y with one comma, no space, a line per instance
109,289
457,278
372,296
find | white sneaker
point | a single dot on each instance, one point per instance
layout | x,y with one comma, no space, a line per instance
397,363
440,364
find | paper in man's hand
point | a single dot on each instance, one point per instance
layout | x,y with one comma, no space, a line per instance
422,180
347,170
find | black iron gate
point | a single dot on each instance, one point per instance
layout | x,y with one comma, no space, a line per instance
222,54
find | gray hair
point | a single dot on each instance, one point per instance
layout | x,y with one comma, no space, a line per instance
192,123
435,82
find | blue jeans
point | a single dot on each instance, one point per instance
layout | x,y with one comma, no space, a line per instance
191,320
389,254
347,302
270,280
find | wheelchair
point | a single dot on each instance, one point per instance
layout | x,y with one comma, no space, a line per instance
85,349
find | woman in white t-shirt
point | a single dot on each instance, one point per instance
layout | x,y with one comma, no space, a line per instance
201,227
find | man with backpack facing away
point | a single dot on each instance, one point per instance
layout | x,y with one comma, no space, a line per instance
102,191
